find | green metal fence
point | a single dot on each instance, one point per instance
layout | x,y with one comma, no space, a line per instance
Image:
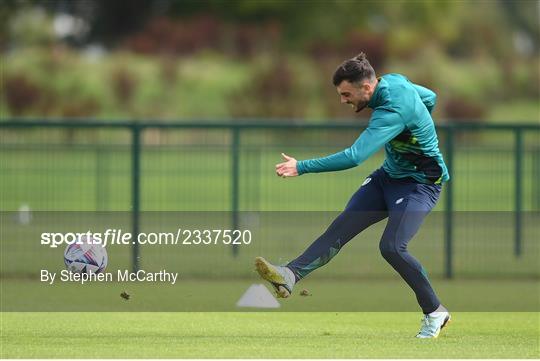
82,165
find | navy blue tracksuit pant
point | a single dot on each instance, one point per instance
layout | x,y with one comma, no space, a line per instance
405,203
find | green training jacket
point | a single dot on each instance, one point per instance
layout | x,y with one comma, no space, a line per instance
401,121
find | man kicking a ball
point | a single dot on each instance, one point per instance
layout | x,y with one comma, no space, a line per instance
404,189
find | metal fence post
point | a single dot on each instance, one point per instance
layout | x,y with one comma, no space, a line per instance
518,190
449,206
235,163
535,176
135,191
101,180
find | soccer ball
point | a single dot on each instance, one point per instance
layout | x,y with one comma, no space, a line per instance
85,257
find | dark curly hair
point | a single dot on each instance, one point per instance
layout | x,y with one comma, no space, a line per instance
354,70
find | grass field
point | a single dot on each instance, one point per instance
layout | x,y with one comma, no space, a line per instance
218,294
297,330
265,335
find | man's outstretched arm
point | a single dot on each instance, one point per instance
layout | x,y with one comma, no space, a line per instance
384,126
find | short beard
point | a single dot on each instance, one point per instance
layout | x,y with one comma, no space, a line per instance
360,108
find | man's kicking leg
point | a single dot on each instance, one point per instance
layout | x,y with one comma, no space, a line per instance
409,204
366,207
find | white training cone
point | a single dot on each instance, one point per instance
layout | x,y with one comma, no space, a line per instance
24,216
258,296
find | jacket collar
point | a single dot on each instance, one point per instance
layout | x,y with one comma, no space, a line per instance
376,98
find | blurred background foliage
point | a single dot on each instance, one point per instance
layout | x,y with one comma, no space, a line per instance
219,59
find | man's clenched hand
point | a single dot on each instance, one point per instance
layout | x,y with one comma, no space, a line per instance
287,168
